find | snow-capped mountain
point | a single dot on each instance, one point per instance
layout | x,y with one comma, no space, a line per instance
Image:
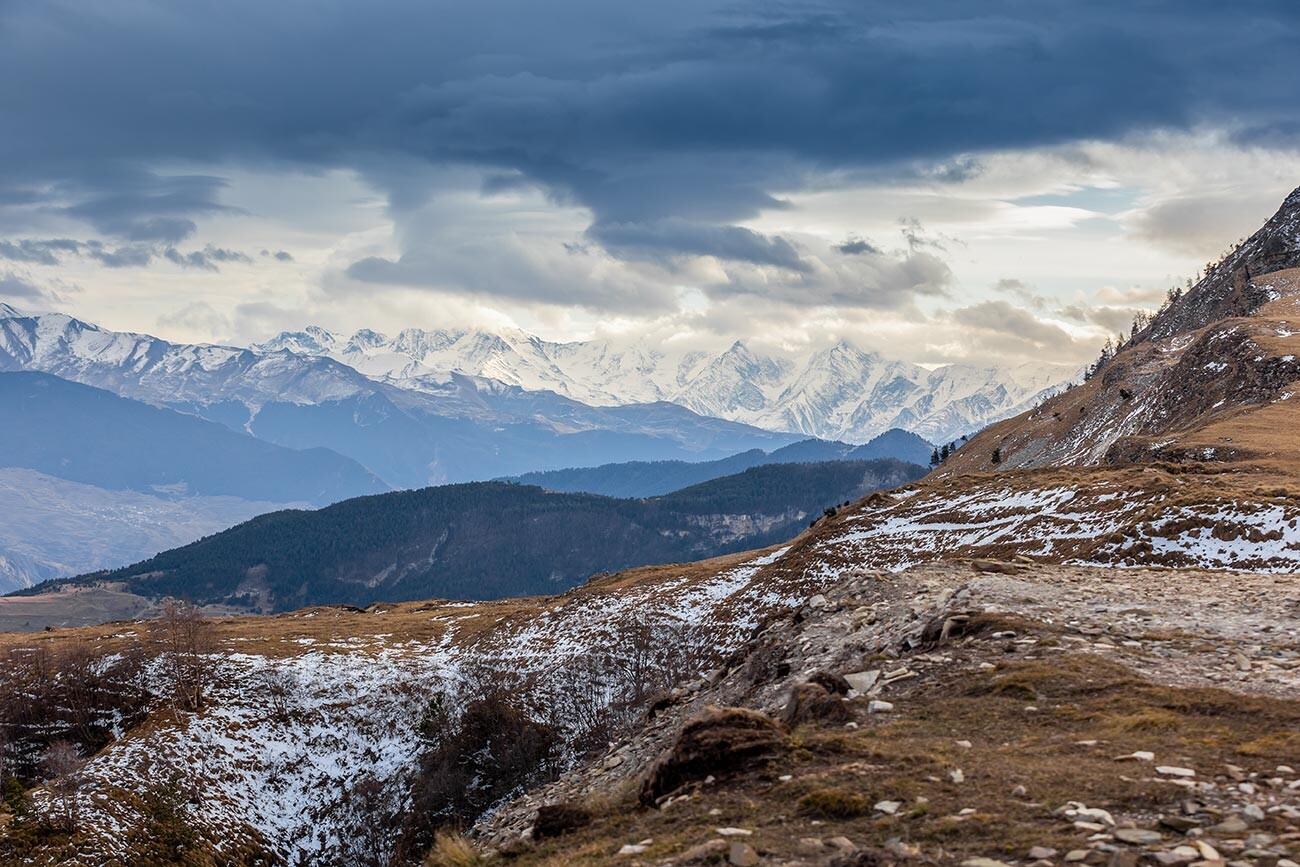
840,392
443,425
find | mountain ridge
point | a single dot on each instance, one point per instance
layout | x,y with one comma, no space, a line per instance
651,478
863,395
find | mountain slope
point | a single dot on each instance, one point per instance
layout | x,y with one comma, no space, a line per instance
652,478
54,528
491,540
139,447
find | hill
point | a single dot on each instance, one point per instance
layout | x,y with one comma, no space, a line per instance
489,540
138,447
652,478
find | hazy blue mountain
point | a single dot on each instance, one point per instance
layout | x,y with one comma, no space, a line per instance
653,478
88,435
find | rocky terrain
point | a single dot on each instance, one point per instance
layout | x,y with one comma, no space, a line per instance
977,713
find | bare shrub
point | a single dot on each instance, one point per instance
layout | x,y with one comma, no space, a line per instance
492,750
183,638
62,765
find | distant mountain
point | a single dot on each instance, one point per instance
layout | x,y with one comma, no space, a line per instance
89,435
492,539
653,478
434,428
54,528
837,393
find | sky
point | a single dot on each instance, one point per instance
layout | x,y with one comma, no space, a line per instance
1001,182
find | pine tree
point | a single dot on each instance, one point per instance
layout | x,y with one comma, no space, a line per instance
997,455
943,454
934,458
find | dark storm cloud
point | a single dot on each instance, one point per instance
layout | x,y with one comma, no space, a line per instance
652,116
857,247
53,250
665,239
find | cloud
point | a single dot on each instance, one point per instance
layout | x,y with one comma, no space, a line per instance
685,111
14,286
666,239
856,247
53,251
1000,328
205,259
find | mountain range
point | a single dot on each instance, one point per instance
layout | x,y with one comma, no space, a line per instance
838,393
454,427
652,478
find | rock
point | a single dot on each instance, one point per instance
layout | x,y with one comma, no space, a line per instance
1123,858
965,745
844,844
811,844
1076,855
995,566
1253,812
956,775
1233,826
983,862
742,855
1092,827
1207,852
889,808
1173,771
707,851
1019,792
554,820
1041,853
863,681
1137,836
724,740
1287,862
633,849
877,706
613,762
812,702
1179,823
1097,813
1137,756
1173,859
734,832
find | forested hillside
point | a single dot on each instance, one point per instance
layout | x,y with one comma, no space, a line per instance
488,540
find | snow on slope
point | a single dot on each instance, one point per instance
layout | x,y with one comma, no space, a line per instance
352,705
1095,519
839,393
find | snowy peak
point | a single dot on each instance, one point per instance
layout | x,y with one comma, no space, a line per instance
838,392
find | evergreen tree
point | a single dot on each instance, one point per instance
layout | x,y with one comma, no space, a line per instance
934,458
997,455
